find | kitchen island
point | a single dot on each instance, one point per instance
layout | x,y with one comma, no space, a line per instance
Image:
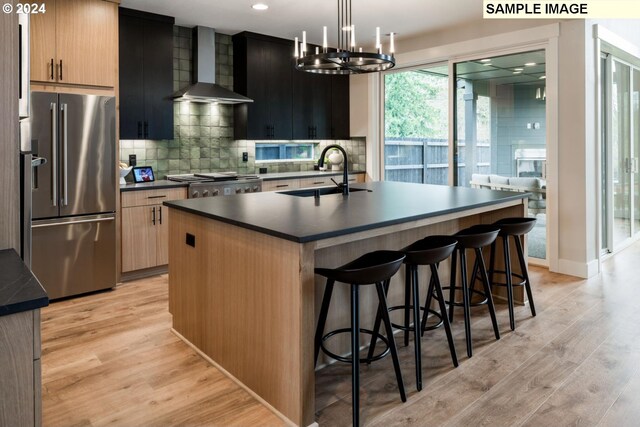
242,289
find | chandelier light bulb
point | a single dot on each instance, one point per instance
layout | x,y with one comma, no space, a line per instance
304,42
392,47
296,52
353,37
325,45
378,46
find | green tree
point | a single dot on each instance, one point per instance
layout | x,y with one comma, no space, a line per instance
416,105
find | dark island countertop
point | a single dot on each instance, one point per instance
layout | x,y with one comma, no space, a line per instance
155,185
19,288
306,219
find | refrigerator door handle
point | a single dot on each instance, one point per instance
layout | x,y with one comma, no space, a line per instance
65,171
54,153
79,221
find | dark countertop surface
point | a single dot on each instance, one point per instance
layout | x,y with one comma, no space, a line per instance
306,219
305,174
19,288
155,185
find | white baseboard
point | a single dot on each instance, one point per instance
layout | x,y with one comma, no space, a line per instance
578,269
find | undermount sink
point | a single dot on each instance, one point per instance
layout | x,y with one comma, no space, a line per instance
309,192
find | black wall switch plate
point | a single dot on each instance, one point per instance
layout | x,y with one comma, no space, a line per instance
132,160
263,170
191,240
245,156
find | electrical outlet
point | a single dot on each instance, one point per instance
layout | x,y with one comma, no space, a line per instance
132,160
245,156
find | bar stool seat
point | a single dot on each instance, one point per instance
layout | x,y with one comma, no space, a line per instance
374,268
514,227
474,238
429,251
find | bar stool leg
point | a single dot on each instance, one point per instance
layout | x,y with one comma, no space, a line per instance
416,326
392,342
322,320
492,262
427,304
452,288
508,281
525,273
487,291
465,299
355,355
407,301
376,325
443,310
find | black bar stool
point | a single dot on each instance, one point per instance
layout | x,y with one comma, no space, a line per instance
429,251
476,238
515,227
373,268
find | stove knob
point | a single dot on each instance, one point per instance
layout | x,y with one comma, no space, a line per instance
195,194
256,189
215,193
205,193
238,190
247,190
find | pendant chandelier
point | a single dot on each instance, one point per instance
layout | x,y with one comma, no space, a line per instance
346,59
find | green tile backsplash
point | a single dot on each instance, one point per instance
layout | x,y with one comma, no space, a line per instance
203,133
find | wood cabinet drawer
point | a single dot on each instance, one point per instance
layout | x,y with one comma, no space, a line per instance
321,181
152,197
280,184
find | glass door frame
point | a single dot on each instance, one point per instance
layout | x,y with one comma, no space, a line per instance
607,221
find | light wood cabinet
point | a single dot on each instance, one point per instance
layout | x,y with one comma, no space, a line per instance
317,181
20,392
75,42
145,235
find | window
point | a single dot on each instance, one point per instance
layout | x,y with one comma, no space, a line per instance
416,125
273,152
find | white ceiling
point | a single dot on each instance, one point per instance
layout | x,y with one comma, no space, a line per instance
287,18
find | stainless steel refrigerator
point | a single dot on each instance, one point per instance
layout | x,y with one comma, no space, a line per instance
74,193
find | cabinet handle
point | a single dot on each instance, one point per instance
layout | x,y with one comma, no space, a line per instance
153,217
52,66
146,129
160,210
273,131
139,129
318,182
61,70
282,185
156,197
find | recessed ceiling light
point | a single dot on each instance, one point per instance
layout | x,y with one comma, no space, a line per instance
518,69
542,77
487,63
485,60
517,72
260,6
529,64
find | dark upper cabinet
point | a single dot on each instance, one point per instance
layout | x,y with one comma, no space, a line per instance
262,71
340,107
146,75
288,104
311,105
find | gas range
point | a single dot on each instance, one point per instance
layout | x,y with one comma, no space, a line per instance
218,184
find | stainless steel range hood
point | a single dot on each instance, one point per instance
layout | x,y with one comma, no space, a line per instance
204,87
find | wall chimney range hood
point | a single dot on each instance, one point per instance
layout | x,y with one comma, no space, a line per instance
204,88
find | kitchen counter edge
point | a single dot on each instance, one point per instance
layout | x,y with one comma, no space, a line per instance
156,185
20,290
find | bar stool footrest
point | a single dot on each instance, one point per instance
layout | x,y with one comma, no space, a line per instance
504,273
473,291
431,327
348,359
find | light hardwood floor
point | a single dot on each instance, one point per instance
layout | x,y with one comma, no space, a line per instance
110,359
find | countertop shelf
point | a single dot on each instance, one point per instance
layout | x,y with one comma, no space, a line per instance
306,219
20,290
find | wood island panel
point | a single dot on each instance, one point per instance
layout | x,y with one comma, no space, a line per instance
245,299
248,300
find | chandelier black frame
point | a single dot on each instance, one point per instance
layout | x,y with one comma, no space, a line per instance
346,59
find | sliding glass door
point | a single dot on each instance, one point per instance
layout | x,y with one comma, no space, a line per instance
621,150
501,137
